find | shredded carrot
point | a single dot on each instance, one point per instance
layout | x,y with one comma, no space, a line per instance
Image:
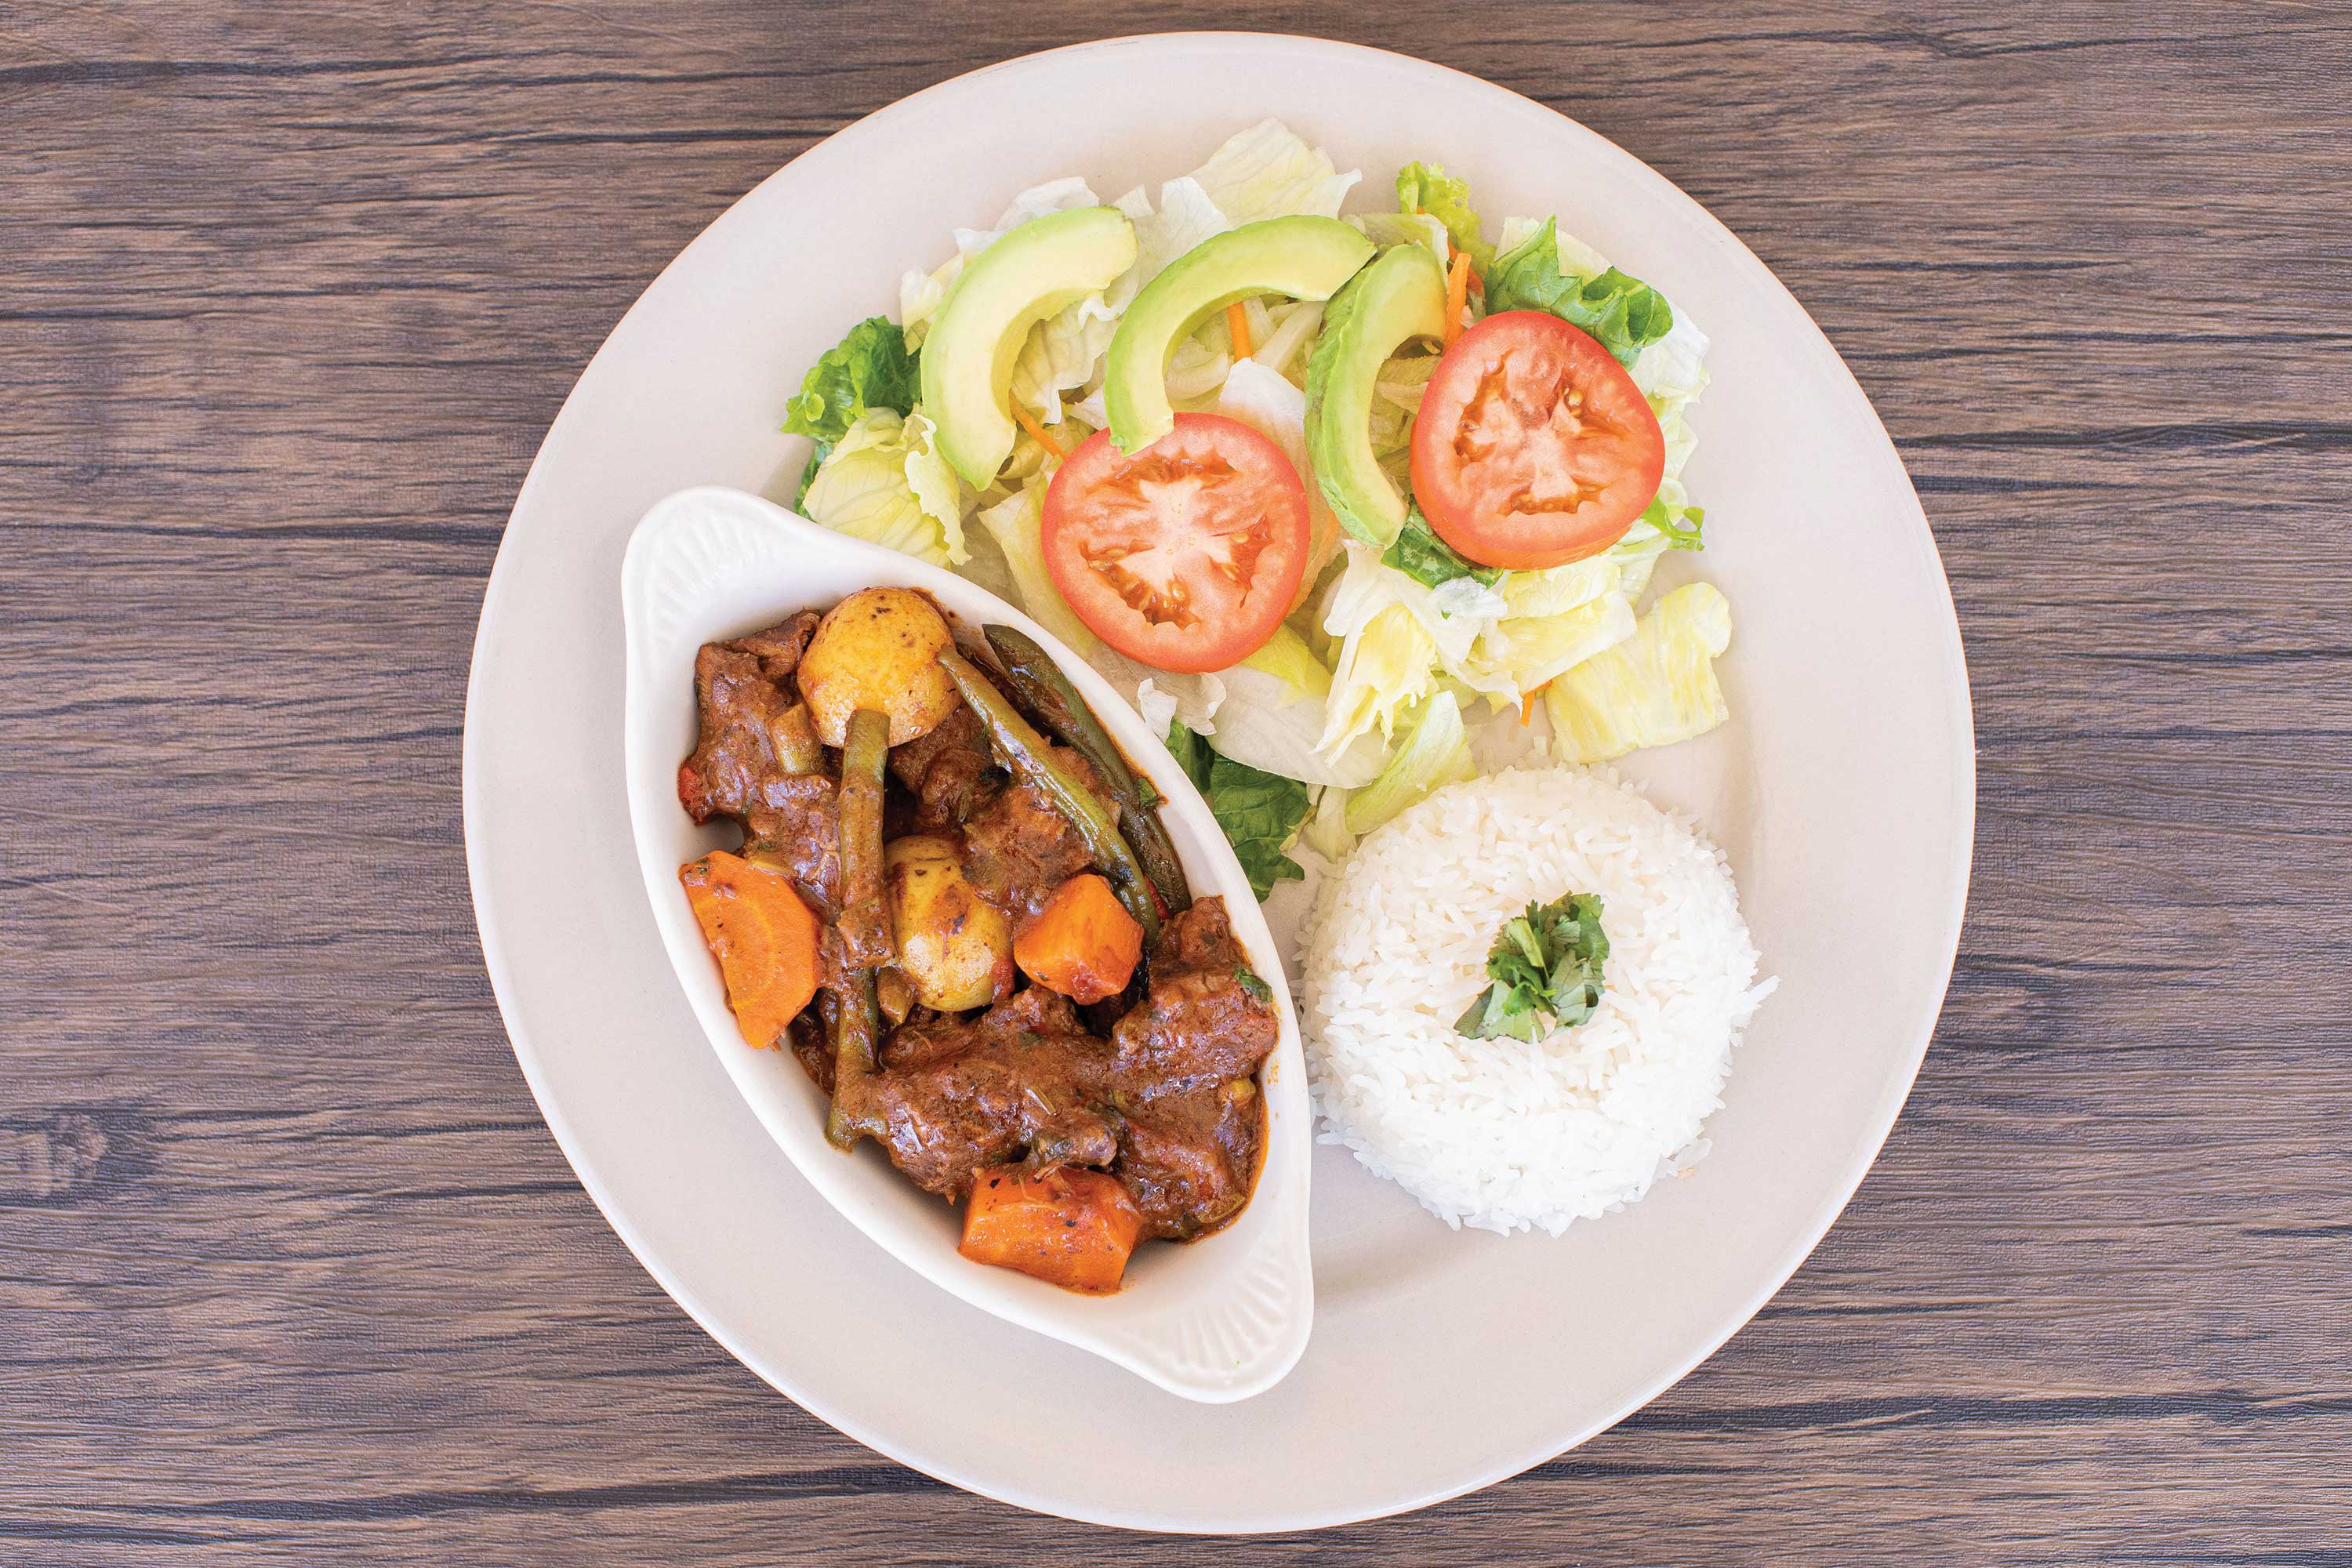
1477,284
1029,423
1238,323
1528,707
1457,294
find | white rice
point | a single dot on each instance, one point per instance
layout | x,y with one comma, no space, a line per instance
1500,1134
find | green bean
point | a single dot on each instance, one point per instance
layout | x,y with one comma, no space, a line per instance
1041,683
855,1029
864,918
1033,760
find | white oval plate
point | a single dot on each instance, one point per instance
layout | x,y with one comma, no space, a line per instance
1843,790
1218,1320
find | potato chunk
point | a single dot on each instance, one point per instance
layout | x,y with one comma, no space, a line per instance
955,947
877,648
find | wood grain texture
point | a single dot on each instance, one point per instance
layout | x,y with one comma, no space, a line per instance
290,1270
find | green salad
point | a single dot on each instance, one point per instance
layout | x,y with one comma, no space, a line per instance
1319,492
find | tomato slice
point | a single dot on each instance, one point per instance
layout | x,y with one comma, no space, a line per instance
1184,556
1533,448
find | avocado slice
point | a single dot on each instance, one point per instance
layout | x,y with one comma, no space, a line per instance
1400,296
1042,267
1306,257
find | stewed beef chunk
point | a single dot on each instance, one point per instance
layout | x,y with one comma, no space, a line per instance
1019,847
946,769
1198,1023
956,1098
779,648
733,754
794,821
1188,1159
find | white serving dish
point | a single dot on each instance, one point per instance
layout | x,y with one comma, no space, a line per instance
1216,1320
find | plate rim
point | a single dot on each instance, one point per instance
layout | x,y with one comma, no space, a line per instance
1960,734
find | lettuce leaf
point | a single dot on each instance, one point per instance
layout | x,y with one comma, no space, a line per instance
886,481
1014,523
1184,218
1555,590
1436,752
1385,664
1384,230
870,368
1325,831
1682,525
1623,314
1267,171
1192,755
1259,812
1636,556
1428,188
1275,710
1396,635
1526,652
1421,555
1654,688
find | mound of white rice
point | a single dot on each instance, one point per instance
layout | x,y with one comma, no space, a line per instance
1501,1135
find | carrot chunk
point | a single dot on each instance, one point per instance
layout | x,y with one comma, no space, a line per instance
1069,1227
762,935
1082,943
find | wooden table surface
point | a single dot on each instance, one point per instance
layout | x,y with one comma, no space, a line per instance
290,1270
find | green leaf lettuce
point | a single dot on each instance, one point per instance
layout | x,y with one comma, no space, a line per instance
1623,312
1428,188
1260,811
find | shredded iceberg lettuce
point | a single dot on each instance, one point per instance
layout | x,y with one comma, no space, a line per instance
1275,711
1436,752
1523,652
1655,687
1557,590
1385,619
1396,401
885,480
1385,664
1267,171
1325,831
1428,188
1293,324
1014,523
870,368
1385,229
